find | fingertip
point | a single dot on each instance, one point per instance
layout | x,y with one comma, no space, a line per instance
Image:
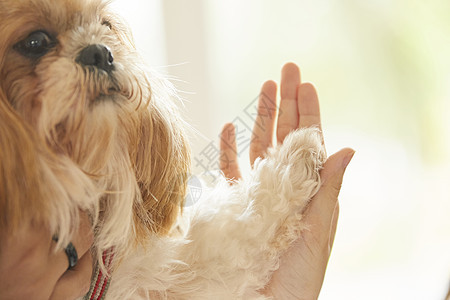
344,152
348,157
269,85
227,126
308,98
290,80
307,88
347,149
227,136
336,163
228,152
289,68
269,90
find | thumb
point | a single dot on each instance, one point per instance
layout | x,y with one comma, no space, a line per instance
333,171
323,204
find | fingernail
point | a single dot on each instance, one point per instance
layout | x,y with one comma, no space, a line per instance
347,159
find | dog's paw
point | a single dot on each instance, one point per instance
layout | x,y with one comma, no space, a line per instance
291,170
237,233
286,180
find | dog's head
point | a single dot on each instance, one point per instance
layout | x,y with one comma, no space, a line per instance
70,69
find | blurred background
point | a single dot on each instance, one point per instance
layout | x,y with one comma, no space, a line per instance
382,70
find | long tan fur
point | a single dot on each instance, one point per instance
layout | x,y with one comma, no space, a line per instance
21,194
130,145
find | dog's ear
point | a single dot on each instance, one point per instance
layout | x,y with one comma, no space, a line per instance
161,158
37,185
20,188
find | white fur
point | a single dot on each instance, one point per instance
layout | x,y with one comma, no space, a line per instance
236,233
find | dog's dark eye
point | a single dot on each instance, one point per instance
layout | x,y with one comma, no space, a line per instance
107,23
36,45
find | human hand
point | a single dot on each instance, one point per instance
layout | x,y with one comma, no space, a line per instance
30,268
302,267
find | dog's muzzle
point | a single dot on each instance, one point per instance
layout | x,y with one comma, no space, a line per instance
98,56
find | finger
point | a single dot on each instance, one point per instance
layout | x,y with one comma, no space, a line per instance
228,153
308,107
322,206
262,136
288,112
84,237
82,241
74,283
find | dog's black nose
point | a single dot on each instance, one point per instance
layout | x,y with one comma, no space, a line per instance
98,56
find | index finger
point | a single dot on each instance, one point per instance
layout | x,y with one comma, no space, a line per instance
228,153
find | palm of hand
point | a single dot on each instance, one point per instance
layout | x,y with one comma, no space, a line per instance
302,267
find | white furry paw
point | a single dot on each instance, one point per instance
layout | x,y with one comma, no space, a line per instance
287,179
292,168
237,234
